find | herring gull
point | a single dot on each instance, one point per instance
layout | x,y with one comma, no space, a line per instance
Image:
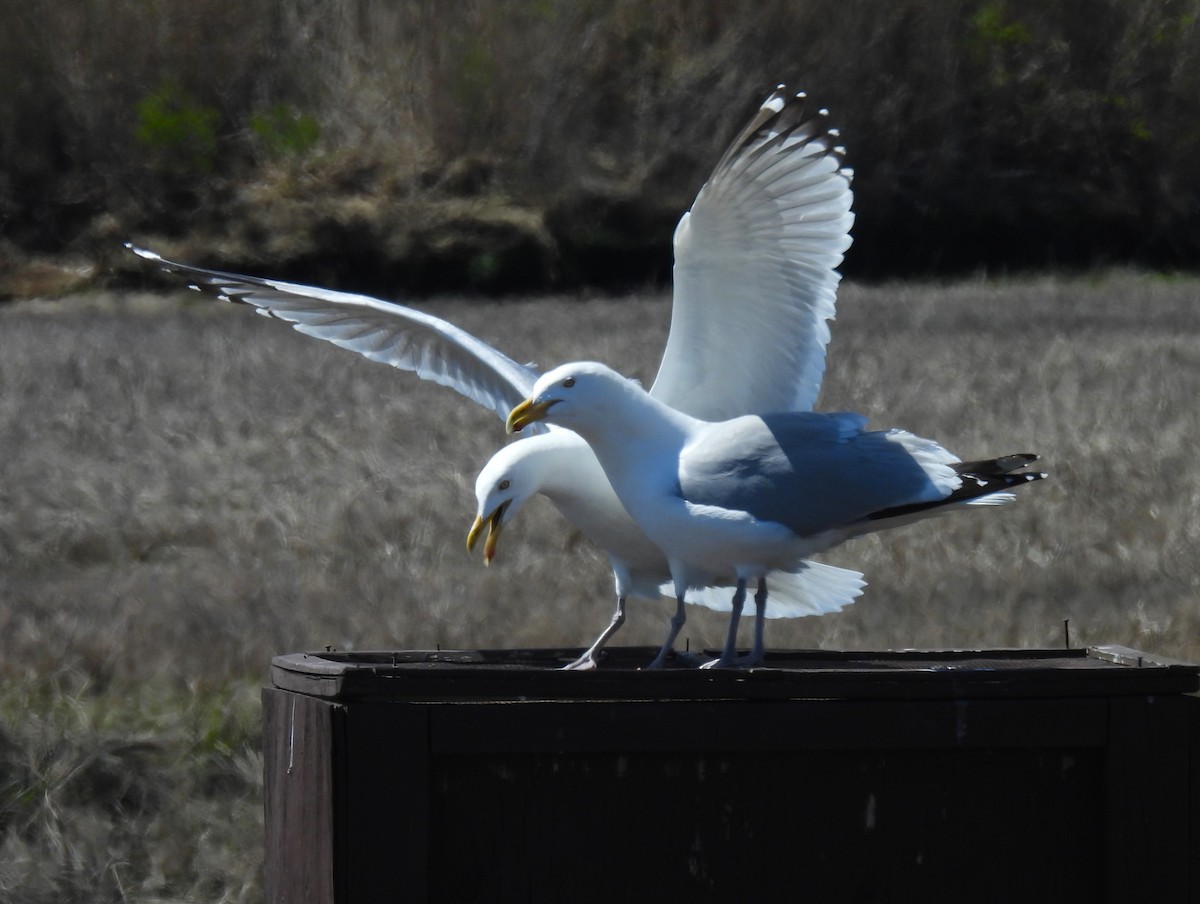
755,495
756,253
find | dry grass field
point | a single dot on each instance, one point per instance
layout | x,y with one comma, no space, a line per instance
187,489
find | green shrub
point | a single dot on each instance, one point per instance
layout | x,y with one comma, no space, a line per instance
178,131
283,131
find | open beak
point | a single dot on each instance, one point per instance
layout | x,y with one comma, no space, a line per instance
528,412
494,526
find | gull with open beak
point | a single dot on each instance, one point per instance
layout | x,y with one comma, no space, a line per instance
756,256
494,523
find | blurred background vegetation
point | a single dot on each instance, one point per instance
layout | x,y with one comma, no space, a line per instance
515,145
184,492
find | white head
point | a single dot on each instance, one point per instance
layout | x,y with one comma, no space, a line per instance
572,394
506,482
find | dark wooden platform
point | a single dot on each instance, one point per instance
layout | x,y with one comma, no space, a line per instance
786,674
1033,775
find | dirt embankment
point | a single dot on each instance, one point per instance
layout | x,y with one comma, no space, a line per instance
508,146
449,231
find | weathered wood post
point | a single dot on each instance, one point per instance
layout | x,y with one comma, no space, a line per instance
1030,775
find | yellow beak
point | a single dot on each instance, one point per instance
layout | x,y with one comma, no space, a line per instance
494,528
528,412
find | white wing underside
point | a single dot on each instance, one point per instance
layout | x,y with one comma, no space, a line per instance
382,331
755,285
755,278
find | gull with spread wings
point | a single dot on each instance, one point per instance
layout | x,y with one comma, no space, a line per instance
756,495
755,258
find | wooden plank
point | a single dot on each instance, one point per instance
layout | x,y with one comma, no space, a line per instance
383,815
533,674
1149,851
298,798
753,725
1192,706
1134,658
819,825
898,776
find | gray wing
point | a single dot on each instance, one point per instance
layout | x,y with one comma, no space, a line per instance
812,472
755,278
430,347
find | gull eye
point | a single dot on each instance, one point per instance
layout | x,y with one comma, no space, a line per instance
568,382
504,484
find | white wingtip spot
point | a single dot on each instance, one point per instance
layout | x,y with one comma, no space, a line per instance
142,252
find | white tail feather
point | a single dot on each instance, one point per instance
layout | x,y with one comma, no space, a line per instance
814,589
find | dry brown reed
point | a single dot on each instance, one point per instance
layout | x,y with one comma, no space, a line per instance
187,490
